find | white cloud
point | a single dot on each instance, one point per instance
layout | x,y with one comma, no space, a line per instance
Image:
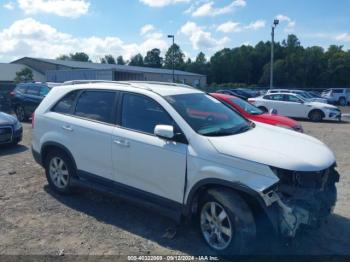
208,9
234,27
65,8
256,25
201,39
290,23
29,37
345,37
161,3
230,27
146,29
9,6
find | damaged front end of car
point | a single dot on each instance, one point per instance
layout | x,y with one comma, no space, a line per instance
303,198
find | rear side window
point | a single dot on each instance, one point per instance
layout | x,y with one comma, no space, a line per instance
278,97
65,105
96,105
143,114
337,91
21,89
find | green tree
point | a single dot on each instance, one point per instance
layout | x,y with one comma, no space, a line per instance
108,59
174,54
120,60
136,60
153,59
79,56
26,74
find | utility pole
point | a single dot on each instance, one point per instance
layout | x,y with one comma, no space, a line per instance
275,23
173,55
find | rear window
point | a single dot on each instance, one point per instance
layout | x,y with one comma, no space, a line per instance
65,105
33,90
21,89
96,105
337,91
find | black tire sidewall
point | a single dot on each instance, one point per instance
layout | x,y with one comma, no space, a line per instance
68,163
241,219
24,113
316,119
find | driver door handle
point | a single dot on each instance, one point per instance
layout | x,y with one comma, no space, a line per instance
67,128
121,142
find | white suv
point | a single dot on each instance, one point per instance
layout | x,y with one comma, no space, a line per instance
179,150
337,95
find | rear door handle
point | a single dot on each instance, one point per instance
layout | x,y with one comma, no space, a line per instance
67,128
121,142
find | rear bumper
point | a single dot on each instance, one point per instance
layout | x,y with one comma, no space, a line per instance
37,157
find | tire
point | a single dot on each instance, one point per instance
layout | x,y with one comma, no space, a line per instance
264,109
20,113
316,116
59,171
342,101
233,222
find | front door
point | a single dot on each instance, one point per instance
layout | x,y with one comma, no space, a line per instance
142,160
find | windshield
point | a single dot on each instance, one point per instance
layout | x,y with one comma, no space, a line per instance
208,116
247,107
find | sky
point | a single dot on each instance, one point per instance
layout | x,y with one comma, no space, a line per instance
49,28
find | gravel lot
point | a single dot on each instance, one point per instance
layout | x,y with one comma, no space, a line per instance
34,220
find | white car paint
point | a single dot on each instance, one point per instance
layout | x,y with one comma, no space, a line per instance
300,109
298,92
157,165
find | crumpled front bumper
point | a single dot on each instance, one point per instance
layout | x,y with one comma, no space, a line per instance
295,207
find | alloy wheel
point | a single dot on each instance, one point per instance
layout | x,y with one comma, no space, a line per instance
59,173
216,226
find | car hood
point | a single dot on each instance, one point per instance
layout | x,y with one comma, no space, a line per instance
275,119
276,147
6,119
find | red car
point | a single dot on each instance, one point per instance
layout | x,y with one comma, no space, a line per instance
255,114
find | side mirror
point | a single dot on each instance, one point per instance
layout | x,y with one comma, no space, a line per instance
273,111
164,131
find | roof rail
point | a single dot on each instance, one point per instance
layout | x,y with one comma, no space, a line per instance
159,83
79,82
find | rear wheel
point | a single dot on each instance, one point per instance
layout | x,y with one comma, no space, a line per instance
316,116
264,109
226,222
59,171
20,113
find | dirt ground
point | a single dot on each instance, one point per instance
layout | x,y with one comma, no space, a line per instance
34,220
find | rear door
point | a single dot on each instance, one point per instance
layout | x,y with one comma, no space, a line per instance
87,129
142,160
32,98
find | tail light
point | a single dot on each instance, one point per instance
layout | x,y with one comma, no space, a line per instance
33,117
251,100
12,93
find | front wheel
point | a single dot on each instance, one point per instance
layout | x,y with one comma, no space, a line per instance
316,116
342,101
226,222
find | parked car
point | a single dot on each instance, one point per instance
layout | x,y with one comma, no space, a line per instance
4,103
306,95
229,92
255,114
179,150
293,105
10,129
26,97
337,95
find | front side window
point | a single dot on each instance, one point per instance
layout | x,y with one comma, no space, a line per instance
247,107
208,116
65,105
96,105
294,99
143,114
